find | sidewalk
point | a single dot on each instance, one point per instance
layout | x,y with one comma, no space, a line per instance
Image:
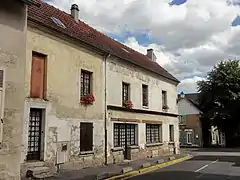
111,170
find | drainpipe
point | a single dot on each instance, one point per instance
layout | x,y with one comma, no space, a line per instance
105,106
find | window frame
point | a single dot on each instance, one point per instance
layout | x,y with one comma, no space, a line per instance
182,119
145,93
189,141
120,134
152,128
127,85
164,98
82,86
171,133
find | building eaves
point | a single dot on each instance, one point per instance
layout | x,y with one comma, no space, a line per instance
83,32
31,2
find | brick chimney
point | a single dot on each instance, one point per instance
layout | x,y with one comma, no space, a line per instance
151,55
75,12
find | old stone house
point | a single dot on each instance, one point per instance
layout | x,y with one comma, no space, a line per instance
151,127
13,21
133,111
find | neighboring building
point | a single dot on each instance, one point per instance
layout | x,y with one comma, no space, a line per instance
65,61
190,128
13,21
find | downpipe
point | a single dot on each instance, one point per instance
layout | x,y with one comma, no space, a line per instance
105,108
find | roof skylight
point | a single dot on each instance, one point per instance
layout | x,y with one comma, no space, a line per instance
58,22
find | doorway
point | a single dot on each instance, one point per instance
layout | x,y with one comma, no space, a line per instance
34,134
124,136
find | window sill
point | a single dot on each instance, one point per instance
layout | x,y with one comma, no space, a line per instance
86,152
154,144
37,99
115,149
165,110
133,147
145,107
181,124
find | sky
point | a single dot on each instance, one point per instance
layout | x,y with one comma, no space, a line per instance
188,36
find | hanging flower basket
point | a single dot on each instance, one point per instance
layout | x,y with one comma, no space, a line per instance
165,107
128,104
87,99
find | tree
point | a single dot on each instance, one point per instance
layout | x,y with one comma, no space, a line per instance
219,98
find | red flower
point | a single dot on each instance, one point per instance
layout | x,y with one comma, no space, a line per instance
87,99
128,104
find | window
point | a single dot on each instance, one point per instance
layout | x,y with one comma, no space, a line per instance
124,134
171,133
85,82
164,98
58,22
153,133
189,137
145,95
125,92
38,76
86,136
182,119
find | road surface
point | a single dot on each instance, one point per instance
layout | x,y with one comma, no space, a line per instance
207,164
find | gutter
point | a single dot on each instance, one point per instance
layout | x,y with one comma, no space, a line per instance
31,2
98,48
105,107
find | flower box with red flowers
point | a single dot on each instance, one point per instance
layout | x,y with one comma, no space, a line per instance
87,99
128,104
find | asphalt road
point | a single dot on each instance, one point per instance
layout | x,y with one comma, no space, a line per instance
207,164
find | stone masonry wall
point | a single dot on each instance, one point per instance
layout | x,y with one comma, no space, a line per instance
12,61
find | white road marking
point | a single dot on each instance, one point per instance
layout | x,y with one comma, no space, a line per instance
215,161
206,166
201,168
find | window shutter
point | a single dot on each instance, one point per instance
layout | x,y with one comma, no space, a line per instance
2,92
86,136
90,136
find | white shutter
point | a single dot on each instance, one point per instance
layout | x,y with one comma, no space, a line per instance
2,85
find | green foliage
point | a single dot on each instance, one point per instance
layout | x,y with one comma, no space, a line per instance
219,96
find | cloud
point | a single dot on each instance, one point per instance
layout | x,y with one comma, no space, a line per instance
188,38
189,85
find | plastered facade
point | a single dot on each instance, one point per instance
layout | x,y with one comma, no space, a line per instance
118,72
12,61
62,109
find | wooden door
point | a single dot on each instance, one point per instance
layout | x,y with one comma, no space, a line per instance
38,76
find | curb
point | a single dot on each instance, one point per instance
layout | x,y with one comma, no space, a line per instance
150,168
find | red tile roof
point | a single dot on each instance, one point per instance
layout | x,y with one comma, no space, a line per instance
83,32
